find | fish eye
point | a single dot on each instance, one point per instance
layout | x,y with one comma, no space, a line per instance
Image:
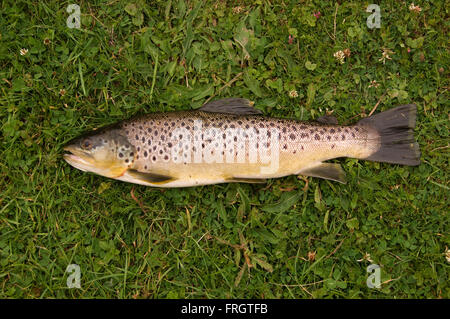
86,144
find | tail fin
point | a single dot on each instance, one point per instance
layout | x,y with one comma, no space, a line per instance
396,129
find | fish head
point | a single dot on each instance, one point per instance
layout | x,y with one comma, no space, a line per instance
105,152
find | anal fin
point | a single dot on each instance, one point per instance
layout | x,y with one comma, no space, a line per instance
150,177
331,171
246,180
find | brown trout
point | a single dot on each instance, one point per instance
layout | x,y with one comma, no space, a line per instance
230,141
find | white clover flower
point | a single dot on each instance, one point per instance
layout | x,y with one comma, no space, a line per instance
340,56
385,55
366,257
237,10
293,94
23,51
414,8
374,84
447,254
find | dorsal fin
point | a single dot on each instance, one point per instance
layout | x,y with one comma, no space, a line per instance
327,119
232,105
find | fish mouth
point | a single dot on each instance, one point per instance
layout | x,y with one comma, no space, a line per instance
77,158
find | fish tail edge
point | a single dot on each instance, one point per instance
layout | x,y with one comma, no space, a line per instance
396,130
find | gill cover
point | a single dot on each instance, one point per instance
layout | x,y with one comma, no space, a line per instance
105,152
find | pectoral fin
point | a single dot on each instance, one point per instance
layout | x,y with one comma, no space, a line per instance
331,171
150,177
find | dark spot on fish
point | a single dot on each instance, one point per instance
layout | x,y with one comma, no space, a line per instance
317,137
302,147
332,130
166,157
292,136
160,152
247,126
332,146
131,154
353,135
239,122
120,155
127,160
303,135
356,129
232,126
169,144
235,139
154,148
328,137
303,127
343,137
145,167
154,158
183,124
137,137
285,146
294,128
143,139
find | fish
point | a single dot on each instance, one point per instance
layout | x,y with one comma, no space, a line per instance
229,140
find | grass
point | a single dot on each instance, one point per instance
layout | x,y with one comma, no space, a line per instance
291,238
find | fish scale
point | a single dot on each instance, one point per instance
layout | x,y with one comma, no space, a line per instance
229,141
